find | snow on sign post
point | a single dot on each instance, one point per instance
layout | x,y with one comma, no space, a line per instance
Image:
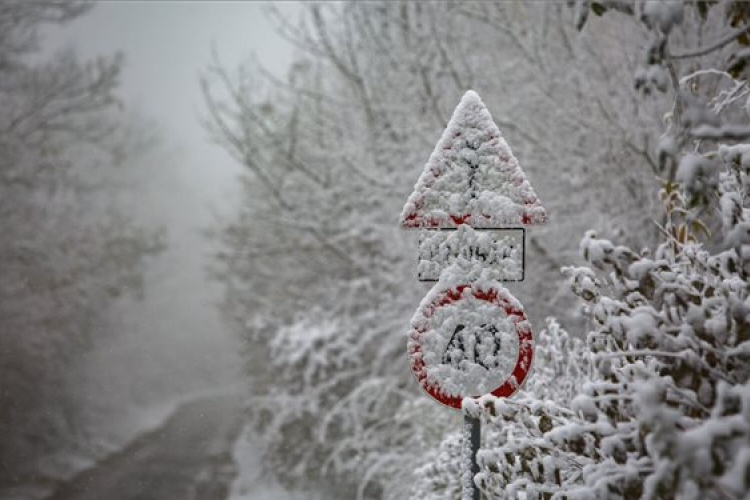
470,337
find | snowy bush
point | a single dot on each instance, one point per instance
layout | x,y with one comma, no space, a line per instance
656,403
668,417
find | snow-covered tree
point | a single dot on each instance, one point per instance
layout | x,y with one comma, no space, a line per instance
663,411
65,256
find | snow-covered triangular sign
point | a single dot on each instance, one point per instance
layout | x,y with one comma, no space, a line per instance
472,178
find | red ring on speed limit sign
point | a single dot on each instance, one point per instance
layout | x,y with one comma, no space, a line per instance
495,295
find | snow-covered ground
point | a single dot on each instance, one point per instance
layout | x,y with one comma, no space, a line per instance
249,483
111,437
62,466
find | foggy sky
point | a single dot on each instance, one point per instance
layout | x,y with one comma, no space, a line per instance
166,45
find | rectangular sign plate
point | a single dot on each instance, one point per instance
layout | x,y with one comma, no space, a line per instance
503,251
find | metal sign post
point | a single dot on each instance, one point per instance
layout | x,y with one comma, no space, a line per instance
470,337
472,442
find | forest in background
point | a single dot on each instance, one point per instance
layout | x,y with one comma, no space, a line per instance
92,266
627,118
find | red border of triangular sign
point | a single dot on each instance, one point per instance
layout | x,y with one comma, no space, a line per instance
528,208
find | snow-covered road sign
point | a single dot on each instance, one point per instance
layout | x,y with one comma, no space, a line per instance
502,251
470,340
472,178
470,336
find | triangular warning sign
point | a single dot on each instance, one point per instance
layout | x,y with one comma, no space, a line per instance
472,178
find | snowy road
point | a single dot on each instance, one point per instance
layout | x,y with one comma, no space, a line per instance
189,458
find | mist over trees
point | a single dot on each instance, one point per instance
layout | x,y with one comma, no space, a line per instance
320,281
68,253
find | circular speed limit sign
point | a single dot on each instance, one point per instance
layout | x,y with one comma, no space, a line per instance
470,340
